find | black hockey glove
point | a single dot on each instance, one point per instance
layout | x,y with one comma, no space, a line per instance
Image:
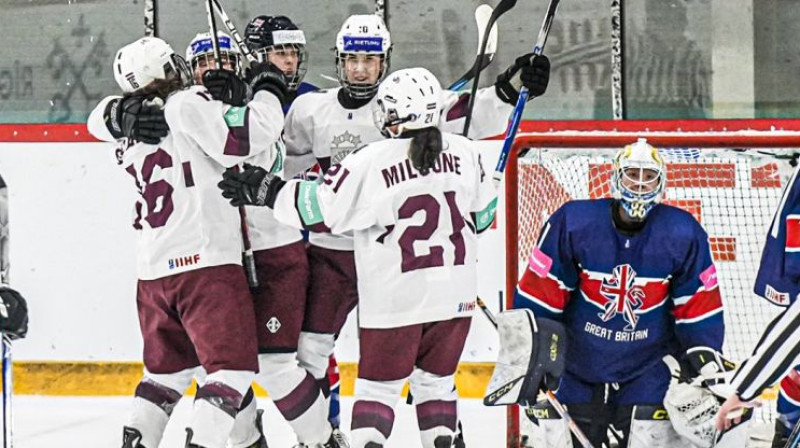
226,86
535,76
253,186
13,313
266,76
136,118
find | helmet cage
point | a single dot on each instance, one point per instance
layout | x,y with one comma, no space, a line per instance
360,90
292,80
638,196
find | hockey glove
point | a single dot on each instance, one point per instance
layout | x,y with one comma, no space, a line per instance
706,367
226,86
136,118
535,76
253,186
13,313
266,76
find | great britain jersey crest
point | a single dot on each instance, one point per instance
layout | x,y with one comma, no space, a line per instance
623,296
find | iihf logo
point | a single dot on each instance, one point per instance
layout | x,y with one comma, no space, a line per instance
623,297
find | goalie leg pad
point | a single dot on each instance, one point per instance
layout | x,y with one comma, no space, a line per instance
549,429
648,426
531,350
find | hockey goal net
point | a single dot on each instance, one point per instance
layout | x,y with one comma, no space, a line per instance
728,174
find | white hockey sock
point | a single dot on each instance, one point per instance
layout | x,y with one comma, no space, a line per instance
153,404
296,395
245,432
216,405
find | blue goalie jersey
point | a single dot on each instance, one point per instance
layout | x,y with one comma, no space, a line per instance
626,300
778,277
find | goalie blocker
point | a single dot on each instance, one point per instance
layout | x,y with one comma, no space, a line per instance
531,358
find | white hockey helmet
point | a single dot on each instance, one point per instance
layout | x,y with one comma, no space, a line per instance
364,34
148,59
638,179
409,99
201,48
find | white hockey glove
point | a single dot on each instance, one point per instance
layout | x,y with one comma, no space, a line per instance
694,395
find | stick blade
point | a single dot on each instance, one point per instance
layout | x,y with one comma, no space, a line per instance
483,15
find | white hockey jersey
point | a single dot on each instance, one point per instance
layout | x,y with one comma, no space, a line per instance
265,231
319,128
183,222
415,236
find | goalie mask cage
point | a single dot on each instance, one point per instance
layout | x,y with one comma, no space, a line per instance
729,174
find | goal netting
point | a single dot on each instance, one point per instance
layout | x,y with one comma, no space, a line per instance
728,174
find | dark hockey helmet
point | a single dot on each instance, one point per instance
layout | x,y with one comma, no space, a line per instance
278,40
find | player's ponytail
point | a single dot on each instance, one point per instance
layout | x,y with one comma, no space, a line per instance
426,145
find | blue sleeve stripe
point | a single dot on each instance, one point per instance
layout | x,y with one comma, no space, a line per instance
705,316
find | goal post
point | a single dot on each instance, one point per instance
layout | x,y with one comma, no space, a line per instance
729,174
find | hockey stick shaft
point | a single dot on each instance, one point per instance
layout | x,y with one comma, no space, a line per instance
482,15
516,115
551,397
8,391
234,32
248,260
502,7
794,437
381,10
151,18
617,62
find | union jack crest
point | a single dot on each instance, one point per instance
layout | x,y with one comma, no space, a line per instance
623,297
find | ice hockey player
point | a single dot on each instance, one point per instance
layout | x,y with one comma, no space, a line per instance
777,352
415,310
186,258
279,299
13,307
633,281
324,127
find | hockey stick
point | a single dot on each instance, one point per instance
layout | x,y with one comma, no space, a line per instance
248,260
551,397
482,15
503,7
151,18
8,391
7,361
234,32
794,437
617,62
381,8
516,116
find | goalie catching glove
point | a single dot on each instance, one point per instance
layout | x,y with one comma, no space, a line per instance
253,186
700,382
531,358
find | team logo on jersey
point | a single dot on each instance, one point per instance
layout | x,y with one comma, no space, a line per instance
623,297
273,325
342,145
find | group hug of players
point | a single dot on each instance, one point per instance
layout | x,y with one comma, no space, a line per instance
393,200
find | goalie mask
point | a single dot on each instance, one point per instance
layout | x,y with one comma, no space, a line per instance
200,54
278,40
149,59
638,179
408,99
363,50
